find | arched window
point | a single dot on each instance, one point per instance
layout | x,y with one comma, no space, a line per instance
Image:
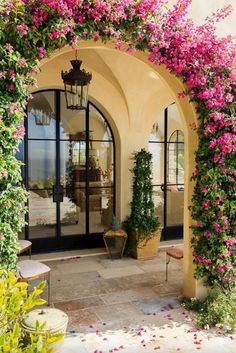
176,158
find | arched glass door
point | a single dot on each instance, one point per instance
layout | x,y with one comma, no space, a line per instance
166,143
69,173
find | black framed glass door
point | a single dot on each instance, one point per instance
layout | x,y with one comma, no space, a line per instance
69,173
166,143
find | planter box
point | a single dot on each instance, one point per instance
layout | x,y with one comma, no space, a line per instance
150,249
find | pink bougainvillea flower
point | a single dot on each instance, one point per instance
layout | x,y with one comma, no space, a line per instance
22,62
41,52
9,47
221,269
11,86
205,204
23,28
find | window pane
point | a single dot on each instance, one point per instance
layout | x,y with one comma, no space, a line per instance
20,157
41,164
41,116
100,209
73,210
101,162
176,158
73,158
158,199
42,214
98,125
175,196
72,125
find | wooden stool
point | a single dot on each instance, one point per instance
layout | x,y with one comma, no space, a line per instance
30,270
25,245
175,252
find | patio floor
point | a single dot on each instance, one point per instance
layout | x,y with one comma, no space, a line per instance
126,305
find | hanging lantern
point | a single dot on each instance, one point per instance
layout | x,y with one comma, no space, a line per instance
76,83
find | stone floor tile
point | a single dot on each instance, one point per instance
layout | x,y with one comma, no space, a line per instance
80,265
74,278
153,267
60,294
83,317
126,296
118,263
78,304
139,280
116,312
120,272
157,304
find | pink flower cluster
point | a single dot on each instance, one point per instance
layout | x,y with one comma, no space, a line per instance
41,52
226,143
20,131
230,241
23,28
203,260
14,107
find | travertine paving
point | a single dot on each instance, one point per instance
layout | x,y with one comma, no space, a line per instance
127,306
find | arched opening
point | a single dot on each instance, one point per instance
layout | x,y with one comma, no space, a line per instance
132,92
69,173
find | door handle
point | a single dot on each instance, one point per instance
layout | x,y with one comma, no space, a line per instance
163,188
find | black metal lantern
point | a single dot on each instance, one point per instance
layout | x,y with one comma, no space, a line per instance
76,83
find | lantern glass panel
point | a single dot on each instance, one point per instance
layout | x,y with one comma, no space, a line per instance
76,96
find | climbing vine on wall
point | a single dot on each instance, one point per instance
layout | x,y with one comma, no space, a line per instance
32,29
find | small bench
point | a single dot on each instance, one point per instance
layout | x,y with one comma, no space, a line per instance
30,270
174,252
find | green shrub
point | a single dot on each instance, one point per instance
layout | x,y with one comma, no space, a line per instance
217,309
15,302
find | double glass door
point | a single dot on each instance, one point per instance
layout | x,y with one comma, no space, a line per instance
69,173
166,143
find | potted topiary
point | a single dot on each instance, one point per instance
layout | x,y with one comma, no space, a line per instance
143,226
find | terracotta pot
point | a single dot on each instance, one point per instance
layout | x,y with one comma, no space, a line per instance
149,249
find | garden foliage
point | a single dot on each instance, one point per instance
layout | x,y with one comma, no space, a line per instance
15,302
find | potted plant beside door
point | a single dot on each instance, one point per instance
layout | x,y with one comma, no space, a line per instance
143,225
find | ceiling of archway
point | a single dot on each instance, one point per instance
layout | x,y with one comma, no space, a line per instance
131,80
